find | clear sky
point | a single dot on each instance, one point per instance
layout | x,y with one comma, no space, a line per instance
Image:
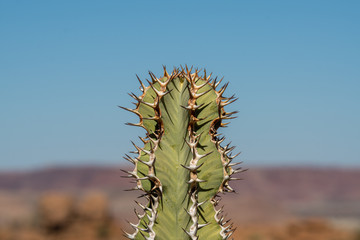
66,65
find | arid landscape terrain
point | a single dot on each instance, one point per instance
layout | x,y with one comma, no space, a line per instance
90,203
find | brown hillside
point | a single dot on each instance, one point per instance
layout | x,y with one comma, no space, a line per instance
304,191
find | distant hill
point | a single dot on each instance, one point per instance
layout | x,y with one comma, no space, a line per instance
285,184
64,178
302,191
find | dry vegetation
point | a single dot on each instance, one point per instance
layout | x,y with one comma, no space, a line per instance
60,217
89,204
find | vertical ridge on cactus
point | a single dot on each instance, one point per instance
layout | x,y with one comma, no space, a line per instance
182,166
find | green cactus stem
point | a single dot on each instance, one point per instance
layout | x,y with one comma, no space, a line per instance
182,166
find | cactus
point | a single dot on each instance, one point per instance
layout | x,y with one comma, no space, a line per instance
182,166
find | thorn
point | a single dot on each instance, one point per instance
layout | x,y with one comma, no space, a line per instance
130,159
153,77
206,154
202,225
127,176
231,113
226,118
166,74
135,124
128,235
137,148
202,85
131,110
238,170
187,211
143,178
132,174
234,164
226,221
197,95
188,69
217,84
128,109
187,232
227,227
156,118
224,124
182,69
142,233
140,205
234,156
131,189
134,96
222,89
192,168
223,104
229,235
232,97
164,84
199,204
149,164
152,105
132,224
158,93
142,139
139,216
228,148
220,140
209,77
196,74
196,180
192,107
142,86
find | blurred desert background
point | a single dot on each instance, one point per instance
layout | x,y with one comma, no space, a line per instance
69,203
65,66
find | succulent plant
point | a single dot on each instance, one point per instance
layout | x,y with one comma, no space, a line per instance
182,166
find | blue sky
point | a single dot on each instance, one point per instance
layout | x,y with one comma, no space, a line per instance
66,65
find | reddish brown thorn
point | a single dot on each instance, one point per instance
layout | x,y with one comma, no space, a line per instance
217,84
142,86
166,74
130,159
134,97
135,124
223,104
209,77
137,148
222,89
153,77
131,110
143,140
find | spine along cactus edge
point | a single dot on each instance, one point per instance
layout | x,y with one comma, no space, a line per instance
182,166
